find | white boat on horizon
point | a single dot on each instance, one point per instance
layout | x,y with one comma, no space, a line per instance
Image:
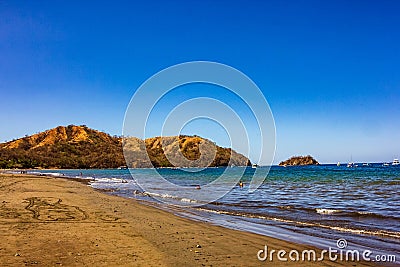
122,168
351,165
395,162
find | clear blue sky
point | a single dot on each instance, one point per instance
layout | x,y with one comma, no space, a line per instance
330,70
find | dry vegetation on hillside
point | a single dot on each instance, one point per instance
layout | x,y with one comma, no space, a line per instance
74,147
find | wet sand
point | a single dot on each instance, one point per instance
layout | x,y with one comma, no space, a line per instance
47,221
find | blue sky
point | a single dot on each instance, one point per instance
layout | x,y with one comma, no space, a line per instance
330,70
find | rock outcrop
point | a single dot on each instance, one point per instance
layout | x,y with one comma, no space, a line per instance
299,161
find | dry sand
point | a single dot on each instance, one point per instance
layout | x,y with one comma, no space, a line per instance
53,221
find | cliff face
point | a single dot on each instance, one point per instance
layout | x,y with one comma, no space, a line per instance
82,147
299,160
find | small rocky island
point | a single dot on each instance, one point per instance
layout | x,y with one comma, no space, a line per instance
299,161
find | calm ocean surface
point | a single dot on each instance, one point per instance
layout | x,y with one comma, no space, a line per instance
309,204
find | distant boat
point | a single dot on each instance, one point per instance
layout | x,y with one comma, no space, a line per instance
350,165
385,164
338,164
254,166
365,164
122,167
395,162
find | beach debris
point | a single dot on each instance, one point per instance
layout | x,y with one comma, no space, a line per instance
17,254
198,246
31,262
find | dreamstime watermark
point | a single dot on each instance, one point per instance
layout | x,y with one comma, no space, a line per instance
153,91
340,253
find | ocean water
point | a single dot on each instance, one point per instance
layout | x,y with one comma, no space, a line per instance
308,204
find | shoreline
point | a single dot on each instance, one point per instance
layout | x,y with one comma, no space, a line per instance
83,226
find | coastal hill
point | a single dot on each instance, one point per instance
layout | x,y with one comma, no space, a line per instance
299,160
63,147
73,147
179,151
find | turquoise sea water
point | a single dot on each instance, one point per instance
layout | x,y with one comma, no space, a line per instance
309,204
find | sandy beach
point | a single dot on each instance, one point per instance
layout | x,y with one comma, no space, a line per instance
47,221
